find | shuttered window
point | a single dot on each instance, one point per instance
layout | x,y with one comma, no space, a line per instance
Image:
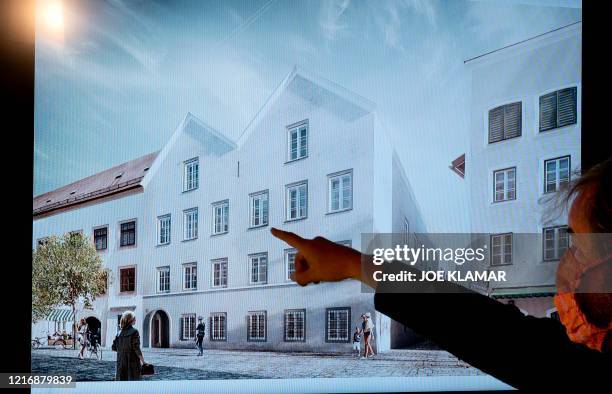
558,109
505,122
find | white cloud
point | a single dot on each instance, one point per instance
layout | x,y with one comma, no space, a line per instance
332,19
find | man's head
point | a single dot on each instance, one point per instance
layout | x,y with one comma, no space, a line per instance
200,318
590,212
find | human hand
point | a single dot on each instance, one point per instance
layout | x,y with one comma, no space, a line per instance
320,259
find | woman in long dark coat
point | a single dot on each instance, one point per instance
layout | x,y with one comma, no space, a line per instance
127,346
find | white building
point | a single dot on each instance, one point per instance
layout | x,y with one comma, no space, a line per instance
524,145
186,229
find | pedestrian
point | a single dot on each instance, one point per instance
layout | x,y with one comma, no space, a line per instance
368,330
200,329
357,341
82,332
127,346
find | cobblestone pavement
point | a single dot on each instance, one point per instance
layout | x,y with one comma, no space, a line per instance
174,364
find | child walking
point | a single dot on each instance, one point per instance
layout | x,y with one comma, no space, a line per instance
357,341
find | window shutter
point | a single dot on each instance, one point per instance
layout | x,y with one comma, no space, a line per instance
182,322
512,120
566,114
548,111
496,124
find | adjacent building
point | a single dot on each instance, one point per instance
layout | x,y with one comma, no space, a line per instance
524,148
185,231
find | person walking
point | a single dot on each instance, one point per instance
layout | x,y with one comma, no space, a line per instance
368,330
200,331
82,333
357,341
127,346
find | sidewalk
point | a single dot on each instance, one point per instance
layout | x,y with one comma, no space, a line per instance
173,364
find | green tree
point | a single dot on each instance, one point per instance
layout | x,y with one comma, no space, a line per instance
66,270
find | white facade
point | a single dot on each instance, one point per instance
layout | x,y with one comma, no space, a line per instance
523,73
345,147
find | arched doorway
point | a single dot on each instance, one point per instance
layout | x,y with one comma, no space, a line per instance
95,326
160,329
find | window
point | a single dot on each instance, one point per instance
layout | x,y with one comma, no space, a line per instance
295,330
220,217
191,176
218,326
101,238
290,262
163,279
190,224
556,174
259,268
337,324
127,280
259,209
188,326
340,187
128,233
556,242
256,326
558,109
190,272
504,185
297,141
297,201
505,122
219,273
163,230
501,249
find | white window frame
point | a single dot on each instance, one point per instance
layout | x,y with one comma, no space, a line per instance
290,316
557,173
194,182
218,326
160,224
331,313
220,226
506,187
160,271
258,257
259,215
188,321
222,265
339,176
257,322
289,261
190,283
300,143
190,233
557,251
502,238
288,189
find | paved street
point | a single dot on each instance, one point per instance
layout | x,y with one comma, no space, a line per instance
175,364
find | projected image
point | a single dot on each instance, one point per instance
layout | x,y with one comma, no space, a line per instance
170,137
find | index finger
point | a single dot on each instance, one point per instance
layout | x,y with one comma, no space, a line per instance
291,238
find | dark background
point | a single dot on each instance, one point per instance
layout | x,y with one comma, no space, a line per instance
17,71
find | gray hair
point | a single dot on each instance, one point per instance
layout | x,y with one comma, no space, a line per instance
127,319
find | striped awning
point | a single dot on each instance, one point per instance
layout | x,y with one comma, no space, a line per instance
524,292
60,315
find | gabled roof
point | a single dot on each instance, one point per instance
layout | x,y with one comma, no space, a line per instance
213,140
316,89
458,165
531,42
117,179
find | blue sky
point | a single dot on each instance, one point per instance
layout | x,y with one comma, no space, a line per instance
127,72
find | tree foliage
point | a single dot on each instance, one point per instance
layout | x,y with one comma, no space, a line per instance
66,270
